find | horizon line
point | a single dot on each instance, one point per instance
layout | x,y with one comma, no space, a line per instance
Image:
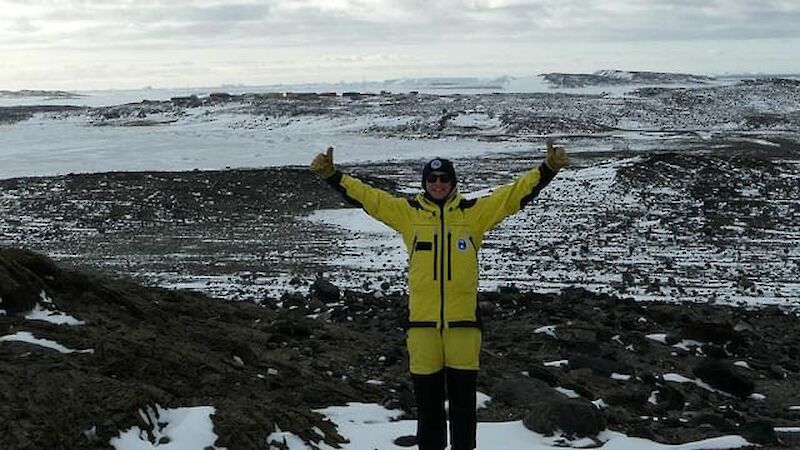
413,78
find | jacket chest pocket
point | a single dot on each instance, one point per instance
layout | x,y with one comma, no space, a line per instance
423,246
425,253
462,257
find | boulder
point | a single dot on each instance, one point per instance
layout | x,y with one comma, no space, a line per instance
759,432
618,416
541,373
574,418
524,392
632,398
579,340
714,351
670,398
20,287
714,420
509,289
724,376
406,441
663,314
37,263
708,331
600,366
324,290
574,295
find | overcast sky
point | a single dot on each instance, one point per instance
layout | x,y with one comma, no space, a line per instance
84,44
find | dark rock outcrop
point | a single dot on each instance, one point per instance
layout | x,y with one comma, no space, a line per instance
20,287
324,290
599,365
574,418
724,376
258,367
262,365
524,392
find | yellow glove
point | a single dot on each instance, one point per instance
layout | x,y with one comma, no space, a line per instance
322,165
556,158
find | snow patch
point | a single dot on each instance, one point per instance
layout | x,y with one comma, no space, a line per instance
600,403
559,363
179,428
677,378
653,399
481,400
549,330
28,337
361,413
569,393
658,337
52,316
351,219
688,344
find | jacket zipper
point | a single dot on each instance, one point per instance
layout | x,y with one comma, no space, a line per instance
441,268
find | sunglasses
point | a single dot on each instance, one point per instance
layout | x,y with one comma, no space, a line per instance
432,177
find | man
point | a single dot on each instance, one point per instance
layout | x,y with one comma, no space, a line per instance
442,232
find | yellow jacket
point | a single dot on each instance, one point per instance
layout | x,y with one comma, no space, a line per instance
443,241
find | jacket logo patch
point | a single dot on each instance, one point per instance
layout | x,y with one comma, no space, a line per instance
462,245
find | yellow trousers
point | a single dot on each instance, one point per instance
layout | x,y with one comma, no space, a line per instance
430,349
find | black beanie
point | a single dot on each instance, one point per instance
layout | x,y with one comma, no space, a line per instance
439,165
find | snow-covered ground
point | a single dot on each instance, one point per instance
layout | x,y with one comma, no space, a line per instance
568,237
370,426
545,247
222,136
206,139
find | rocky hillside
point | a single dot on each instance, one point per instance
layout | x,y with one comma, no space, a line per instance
672,373
621,77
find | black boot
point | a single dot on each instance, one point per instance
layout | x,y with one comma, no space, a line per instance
461,386
432,422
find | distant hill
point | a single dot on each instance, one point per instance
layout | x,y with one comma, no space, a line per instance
622,77
26,93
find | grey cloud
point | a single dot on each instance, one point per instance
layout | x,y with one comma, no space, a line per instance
302,22
149,13
24,26
680,20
